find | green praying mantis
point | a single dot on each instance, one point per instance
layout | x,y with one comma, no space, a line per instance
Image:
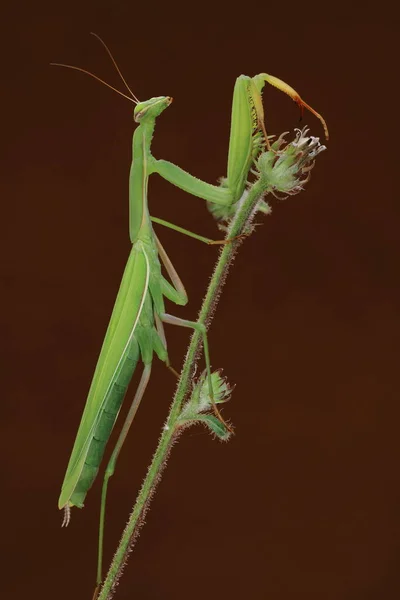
135,331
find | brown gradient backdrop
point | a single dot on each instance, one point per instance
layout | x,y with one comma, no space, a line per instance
304,501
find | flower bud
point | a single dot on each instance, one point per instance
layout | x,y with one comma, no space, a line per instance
286,167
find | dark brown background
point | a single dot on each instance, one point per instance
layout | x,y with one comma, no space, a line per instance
304,501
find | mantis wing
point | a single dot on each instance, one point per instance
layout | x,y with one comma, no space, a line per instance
118,346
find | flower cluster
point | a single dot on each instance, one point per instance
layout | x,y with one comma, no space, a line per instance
286,167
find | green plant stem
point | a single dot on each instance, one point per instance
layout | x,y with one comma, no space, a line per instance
239,226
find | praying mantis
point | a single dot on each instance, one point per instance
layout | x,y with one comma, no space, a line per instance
135,331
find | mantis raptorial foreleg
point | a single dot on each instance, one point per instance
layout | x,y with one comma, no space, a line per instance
248,138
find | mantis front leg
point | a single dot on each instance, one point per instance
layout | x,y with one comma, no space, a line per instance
244,142
248,138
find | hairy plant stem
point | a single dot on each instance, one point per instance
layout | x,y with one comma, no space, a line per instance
238,227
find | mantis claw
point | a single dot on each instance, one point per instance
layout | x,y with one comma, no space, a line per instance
173,371
221,418
255,92
96,592
242,236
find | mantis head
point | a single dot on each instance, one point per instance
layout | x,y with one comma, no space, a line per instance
150,109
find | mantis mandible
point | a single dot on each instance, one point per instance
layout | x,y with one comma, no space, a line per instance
135,330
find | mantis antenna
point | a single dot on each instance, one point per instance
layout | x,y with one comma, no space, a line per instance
133,99
94,77
115,65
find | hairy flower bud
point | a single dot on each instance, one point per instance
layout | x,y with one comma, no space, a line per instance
286,167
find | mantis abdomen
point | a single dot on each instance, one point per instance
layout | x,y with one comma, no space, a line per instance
105,423
115,366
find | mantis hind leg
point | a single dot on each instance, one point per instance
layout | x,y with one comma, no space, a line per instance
161,341
201,328
112,462
175,292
